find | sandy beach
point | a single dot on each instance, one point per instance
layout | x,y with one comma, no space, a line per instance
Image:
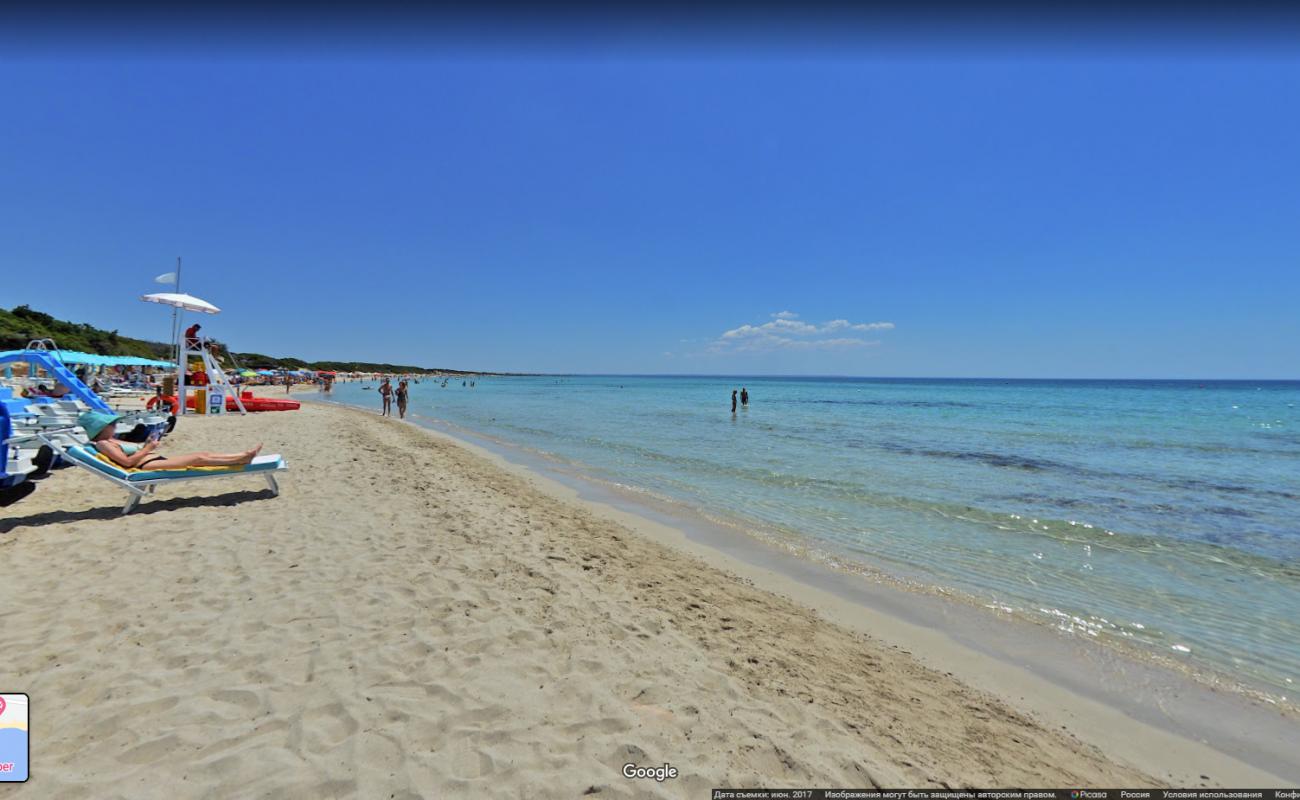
411,618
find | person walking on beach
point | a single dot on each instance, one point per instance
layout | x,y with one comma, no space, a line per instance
733,401
386,392
401,399
744,396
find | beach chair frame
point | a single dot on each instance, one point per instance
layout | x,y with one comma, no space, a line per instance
139,489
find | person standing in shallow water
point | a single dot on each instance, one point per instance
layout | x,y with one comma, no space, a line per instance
744,396
386,392
733,401
401,399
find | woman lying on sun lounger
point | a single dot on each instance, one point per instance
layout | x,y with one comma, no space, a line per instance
99,427
41,390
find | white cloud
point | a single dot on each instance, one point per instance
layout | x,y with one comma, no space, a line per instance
791,326
741,332
845,325
785,331
781,325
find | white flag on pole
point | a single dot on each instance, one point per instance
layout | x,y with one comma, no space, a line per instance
166,277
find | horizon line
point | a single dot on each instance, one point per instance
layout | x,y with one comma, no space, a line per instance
866,377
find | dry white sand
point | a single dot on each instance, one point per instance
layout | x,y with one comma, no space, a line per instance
409,619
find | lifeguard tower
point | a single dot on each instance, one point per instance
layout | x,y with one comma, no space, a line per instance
219,386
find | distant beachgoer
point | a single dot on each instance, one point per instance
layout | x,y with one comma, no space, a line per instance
401,399
744,396
100,427
386,392
733,401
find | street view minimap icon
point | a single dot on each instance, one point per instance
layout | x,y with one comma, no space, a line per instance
13,738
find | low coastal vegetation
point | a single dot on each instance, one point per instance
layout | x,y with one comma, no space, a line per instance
22,324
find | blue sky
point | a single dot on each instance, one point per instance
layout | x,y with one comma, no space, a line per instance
972,210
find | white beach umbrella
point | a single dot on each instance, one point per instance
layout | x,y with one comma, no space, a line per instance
187,302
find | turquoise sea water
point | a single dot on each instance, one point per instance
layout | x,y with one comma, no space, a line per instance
1161,515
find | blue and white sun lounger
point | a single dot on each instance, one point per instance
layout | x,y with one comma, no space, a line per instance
141,482
17,459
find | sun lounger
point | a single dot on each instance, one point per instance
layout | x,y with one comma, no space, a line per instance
18,464
63,415
141,482
17,459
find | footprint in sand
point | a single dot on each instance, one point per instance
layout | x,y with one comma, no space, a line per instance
245,703
466,762
326,727
151,751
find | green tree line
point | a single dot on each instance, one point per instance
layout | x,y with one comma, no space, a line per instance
22,324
